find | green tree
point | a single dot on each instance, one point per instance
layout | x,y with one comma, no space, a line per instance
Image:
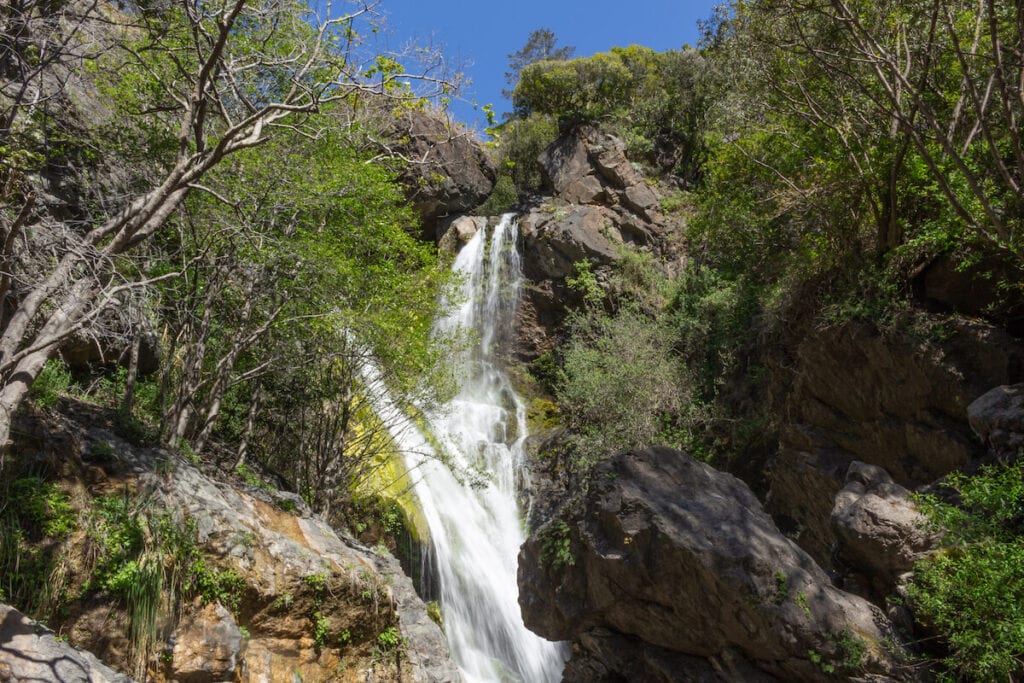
541,45
209,81
580,90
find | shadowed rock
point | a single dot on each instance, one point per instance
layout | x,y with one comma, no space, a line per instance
670,553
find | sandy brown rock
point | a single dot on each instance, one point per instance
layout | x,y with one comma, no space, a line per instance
207,645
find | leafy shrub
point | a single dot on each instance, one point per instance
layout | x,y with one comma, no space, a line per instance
36,517
54,380
43,509
520,175
618,381
972,592
389,639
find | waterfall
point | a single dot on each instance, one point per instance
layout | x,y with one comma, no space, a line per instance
476,530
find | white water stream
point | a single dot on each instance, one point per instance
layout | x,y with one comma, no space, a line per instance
476,531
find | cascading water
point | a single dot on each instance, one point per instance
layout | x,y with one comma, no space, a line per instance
476,531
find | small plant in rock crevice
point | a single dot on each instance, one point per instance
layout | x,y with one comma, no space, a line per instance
556,546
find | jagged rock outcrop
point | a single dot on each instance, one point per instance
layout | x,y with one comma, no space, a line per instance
681,567
880,533
31,652
275,550
448,171
887,400
598,205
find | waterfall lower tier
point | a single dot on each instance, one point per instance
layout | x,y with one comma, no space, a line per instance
476,530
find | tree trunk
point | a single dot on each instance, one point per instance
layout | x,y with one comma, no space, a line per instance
133,373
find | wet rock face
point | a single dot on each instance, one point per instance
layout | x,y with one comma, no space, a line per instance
682,562
884,400
31,652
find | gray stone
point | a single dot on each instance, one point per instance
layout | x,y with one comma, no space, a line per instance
640,198
997,417
31,652
564,162
879,531
454,233
670,552
555,240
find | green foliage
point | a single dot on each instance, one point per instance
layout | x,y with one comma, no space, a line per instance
316,582
225,586
781,587
321,629
972,592
54,381
556,546
434,612
619,380
584,282
43,509
250,478
847,657
520,144
541,45
36,519
582,90
801,602
389,639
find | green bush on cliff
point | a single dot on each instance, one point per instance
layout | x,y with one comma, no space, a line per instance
972,591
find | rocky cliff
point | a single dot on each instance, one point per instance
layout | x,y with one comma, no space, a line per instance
277,593
596,204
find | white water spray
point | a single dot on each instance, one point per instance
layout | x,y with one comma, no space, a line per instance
476,531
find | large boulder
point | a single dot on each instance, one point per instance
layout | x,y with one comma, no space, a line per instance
880,532
673,555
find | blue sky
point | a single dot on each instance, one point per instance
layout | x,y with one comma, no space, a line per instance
480,35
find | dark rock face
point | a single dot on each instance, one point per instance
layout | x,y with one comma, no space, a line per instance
450,173
599,205
681,562
883,400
